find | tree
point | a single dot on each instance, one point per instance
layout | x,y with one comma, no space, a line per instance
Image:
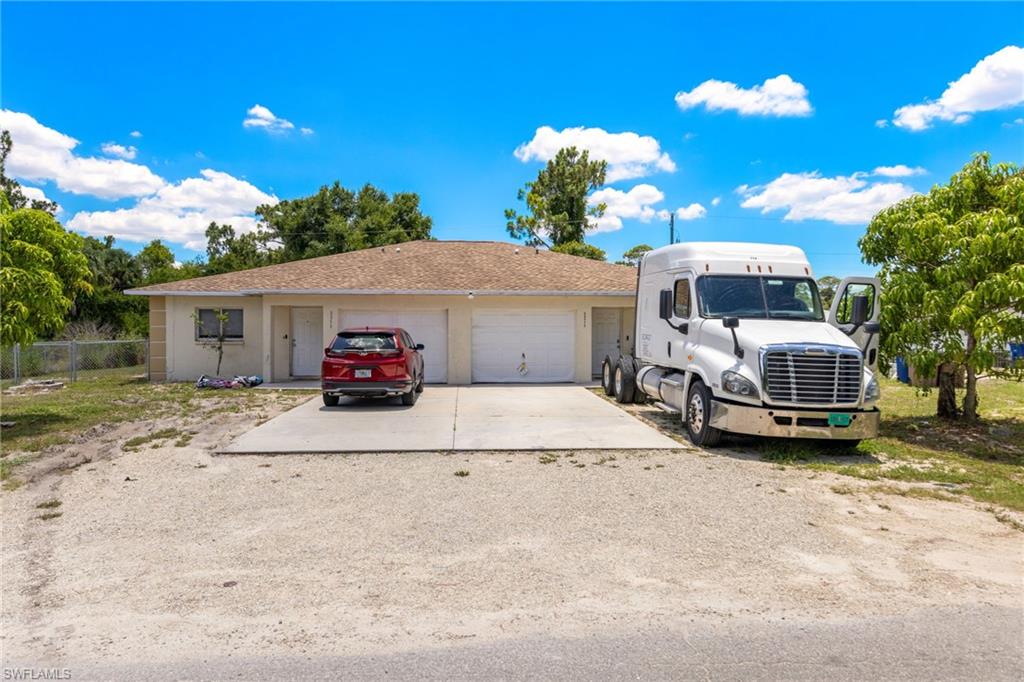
633,256
827,287
42,270
557,201
10,187
336,220
952,270
216,344
106,307
579,249
226,252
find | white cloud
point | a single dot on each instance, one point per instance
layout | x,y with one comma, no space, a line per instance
306,131
882,123
135,133
636,204
1014,122
779,96
119,150
691,212
996,82
809,196
716,201
264,119
898,171
628,154
40,154
36,194
181,212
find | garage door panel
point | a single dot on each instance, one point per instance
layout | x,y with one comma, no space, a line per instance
429,327
523,346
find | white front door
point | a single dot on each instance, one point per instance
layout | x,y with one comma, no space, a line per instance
605,337
307,341
512,346
429,327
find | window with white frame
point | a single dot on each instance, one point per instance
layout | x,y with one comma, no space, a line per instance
209,321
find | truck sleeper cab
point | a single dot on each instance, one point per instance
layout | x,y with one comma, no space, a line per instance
733,337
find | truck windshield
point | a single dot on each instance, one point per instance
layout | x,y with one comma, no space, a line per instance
793,298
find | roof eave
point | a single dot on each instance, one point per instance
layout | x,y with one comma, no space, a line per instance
373,292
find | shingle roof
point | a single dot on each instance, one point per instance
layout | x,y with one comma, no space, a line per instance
420,266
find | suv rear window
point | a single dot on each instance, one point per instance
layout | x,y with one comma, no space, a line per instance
367,341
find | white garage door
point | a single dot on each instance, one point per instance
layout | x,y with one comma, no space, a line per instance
523,346
429,327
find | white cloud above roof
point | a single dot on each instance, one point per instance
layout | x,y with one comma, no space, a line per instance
779,96
180,213
262,118
36,194
119,150
629,155
41,154
635,204
995,82
846,200
898,171
691,212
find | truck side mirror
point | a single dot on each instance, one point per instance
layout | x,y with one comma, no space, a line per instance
859,314
872,327
665,304
731,323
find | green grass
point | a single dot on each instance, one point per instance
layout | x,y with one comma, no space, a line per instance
930,457
47,419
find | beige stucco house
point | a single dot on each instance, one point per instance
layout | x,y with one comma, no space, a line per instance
486,312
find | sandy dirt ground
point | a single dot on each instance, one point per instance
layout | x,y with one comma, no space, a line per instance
169,553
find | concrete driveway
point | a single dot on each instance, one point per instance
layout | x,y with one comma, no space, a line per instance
456,418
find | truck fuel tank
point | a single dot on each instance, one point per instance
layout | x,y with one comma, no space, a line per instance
663,385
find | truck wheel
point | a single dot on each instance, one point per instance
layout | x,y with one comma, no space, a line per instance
697,417
330,400
607,374
625,382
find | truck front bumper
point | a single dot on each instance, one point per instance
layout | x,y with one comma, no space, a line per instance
766,421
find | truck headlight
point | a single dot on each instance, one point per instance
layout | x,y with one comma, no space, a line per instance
872,392
740,385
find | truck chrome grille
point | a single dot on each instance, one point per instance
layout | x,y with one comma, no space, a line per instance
812,375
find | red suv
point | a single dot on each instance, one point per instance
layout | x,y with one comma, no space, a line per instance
372,362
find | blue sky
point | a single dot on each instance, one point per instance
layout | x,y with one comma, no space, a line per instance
436,99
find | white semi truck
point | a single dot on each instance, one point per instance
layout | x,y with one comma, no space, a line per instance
733,337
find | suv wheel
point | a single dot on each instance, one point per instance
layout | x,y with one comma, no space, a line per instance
330,400
698,417
410,397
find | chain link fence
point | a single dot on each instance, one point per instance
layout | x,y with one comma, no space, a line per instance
74,360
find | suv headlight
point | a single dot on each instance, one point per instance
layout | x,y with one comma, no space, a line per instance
872,392
739,385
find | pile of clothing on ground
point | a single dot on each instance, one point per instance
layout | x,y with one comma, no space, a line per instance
235,382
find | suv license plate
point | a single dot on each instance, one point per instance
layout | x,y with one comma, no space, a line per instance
838,419
365,374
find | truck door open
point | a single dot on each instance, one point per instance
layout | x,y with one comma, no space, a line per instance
841,314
